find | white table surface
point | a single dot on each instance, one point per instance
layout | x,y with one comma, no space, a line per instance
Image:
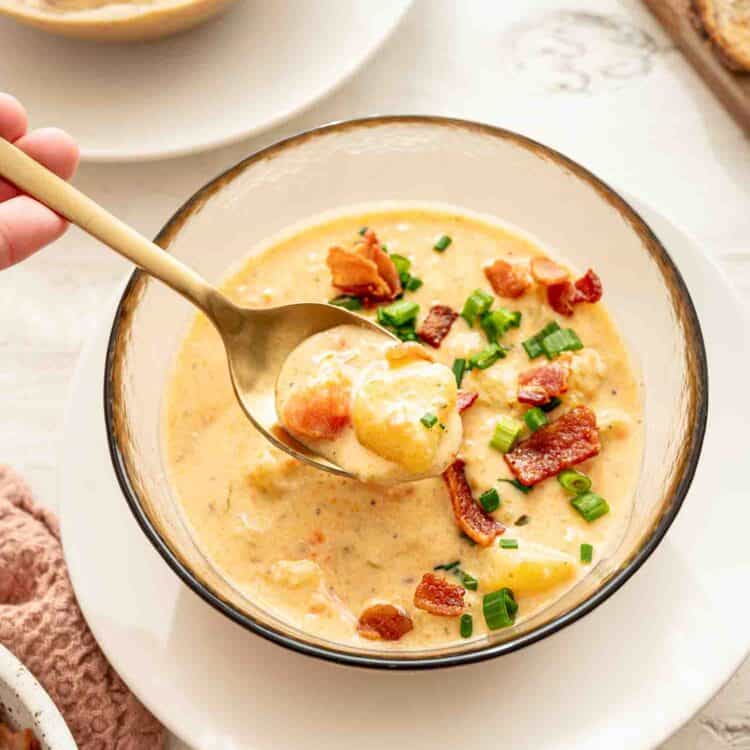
596,79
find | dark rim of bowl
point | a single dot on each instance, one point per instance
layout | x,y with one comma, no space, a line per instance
697,368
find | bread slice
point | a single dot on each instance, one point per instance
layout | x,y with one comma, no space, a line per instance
727,24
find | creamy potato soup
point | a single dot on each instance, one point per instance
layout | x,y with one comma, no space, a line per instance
512,380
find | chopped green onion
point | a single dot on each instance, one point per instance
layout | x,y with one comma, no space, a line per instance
490,500
443,243
553,403
384,247
496,322
466,625
459,368
413,283
448,566
523,520
469,582
477,303
565,340
574,481
499,609
402,267
507,431
535,418
363,230
520,487
509,543
533,346
346,301
487,357
468,539
428,419
587,553
590,505
399,313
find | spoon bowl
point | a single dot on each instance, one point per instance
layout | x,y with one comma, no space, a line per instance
257,341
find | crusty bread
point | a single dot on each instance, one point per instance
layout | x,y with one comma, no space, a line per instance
727,24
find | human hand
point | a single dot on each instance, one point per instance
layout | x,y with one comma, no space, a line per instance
26,225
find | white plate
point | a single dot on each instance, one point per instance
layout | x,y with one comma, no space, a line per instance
627,675
257,65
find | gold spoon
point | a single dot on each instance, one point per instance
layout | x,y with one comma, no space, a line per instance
256,341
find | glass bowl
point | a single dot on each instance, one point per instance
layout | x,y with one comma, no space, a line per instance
464,164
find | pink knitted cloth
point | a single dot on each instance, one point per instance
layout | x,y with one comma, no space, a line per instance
41,624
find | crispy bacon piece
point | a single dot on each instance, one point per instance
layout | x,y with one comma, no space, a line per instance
562,297
507,280
547,272
589,287
465,400
438,597
384,622
23,740
318,412
436,325
540,384
366,271
559,445
473,521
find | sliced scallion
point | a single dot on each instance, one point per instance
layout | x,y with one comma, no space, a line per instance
533,346
574,481
496,322
413,283
520,487
587,553
564,340
490,500
523,520
499,609
443,243
428,419
590,505
535,418
553,403
477,303
487,357
448,566
506,433
346,301
459,368
466,625
469,582
508,543
363,230
399,313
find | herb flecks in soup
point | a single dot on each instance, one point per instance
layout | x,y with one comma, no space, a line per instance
505,346
383,411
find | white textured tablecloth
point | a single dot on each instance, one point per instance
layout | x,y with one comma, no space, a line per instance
596,79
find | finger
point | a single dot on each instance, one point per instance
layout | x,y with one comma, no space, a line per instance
53,148
13,121
25,227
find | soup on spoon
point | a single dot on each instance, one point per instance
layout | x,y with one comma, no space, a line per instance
382,410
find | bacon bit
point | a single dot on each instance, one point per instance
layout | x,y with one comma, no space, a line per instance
540,384
507,280
366,271
384,621
547,272
318,412
23,740
470,517
438,597
589,287
562,297
559,445
436,325
465,400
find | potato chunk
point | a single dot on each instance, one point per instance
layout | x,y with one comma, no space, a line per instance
388,408
530,569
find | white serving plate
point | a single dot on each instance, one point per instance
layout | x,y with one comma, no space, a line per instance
254,67
24,704
627,675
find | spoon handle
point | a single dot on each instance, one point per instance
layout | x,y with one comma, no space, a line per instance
40,183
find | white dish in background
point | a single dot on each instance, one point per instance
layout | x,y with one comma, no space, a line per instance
24,704
255,66
627,675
